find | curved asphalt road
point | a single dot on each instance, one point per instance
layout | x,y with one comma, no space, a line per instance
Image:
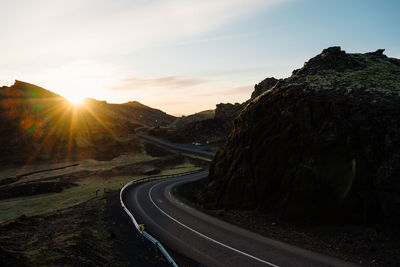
206,239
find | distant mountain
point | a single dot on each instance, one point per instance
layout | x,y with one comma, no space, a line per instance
37,124
322,146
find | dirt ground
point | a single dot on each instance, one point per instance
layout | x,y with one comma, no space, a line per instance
88,234
94,233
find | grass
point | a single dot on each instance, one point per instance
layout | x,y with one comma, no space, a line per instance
86,189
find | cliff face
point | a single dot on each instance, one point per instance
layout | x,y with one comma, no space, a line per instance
322,146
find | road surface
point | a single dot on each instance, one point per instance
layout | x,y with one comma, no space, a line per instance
206,239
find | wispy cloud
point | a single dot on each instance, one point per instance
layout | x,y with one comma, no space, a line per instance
91,28
217,38
170,82
240,91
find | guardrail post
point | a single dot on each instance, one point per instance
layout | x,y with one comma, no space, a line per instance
156,247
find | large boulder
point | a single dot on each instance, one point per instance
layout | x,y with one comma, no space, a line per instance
322,146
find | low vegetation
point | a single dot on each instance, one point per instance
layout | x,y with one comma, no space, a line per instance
83,223
91,184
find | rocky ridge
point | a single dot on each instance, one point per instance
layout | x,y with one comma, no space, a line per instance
319,147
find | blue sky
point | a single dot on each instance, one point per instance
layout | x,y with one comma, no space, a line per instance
181,56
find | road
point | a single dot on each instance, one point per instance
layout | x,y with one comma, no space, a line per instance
197,150
206,239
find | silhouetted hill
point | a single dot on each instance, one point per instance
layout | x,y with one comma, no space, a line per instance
199,116
322,146
37,124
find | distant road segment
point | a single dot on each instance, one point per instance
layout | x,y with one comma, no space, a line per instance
179,147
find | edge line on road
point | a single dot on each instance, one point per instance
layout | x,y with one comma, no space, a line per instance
204,236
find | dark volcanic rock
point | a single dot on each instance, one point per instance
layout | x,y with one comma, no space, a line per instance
227,111
263,86
321,146
30,189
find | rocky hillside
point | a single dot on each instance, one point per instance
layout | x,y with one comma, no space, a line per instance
142,114
199,116
212,126
37,124
322,146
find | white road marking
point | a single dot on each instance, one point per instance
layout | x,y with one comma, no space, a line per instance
204,236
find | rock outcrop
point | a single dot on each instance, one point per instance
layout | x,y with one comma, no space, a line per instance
263,86
322,146
227,111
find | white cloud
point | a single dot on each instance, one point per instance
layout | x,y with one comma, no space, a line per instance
76,29
170,82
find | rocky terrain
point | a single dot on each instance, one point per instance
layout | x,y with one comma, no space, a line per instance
211,127
39,125
199,116
320,147
263,86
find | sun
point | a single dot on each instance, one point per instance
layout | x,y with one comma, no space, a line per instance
75,99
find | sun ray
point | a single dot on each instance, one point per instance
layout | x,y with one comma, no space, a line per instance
61,123
98,119
61,112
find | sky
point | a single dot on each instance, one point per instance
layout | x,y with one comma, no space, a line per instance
181,56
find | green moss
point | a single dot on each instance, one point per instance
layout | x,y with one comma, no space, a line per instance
378,75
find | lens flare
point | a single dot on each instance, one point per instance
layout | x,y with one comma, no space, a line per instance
75,99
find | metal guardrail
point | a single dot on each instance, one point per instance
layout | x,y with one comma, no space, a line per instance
140,227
